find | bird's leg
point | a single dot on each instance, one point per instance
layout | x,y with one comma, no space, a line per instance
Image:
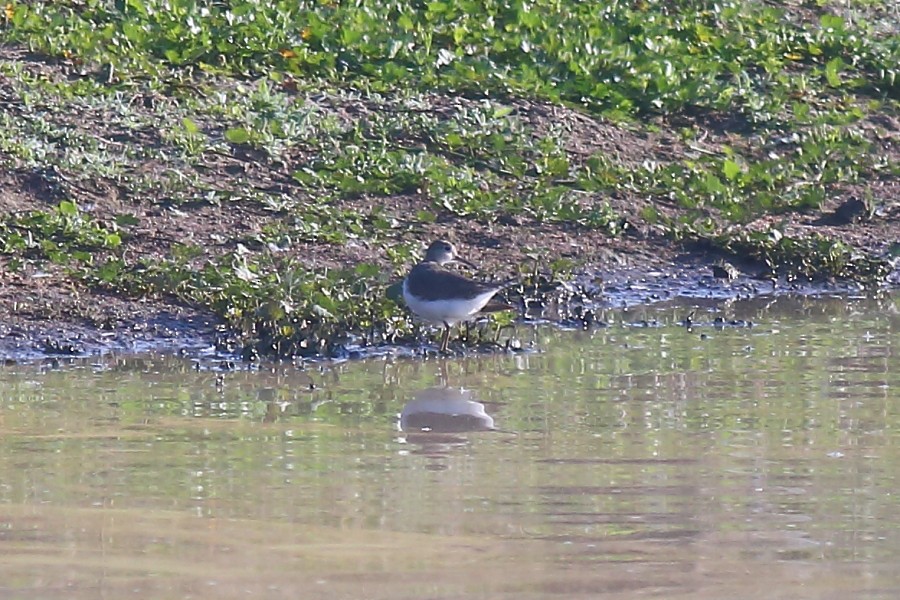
446,339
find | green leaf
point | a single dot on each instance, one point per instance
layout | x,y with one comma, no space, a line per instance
237,135
126,220
405,22
110,271
832,71
367,270
134,32
68,208
426,216
190,126
731,169
831,22
139,6
558,166
454,140
713,184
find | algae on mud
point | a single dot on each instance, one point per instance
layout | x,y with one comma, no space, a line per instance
279,164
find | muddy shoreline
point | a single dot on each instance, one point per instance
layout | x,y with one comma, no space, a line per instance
103,325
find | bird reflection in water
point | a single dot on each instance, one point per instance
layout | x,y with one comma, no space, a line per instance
435,416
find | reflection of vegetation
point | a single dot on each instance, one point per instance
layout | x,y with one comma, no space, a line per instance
771,110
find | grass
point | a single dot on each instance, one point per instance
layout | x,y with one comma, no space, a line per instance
327,124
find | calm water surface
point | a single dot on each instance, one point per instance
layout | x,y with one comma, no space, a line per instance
628,462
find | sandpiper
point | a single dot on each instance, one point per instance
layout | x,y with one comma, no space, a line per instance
441,296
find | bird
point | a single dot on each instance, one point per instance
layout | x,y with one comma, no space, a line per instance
438,295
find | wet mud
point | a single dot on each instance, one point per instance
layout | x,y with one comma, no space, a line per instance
691,285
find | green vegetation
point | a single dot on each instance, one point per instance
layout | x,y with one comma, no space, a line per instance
810,257
280,133
285,309
620,56
62,235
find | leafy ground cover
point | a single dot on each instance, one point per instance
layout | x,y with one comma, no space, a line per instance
281,163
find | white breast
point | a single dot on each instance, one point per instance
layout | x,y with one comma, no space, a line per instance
450,312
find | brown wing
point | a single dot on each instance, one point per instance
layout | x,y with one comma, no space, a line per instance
430,281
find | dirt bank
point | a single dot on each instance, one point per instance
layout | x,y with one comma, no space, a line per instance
95,183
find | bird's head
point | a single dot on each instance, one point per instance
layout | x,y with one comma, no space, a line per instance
442,252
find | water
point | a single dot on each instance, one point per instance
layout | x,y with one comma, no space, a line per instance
628,462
